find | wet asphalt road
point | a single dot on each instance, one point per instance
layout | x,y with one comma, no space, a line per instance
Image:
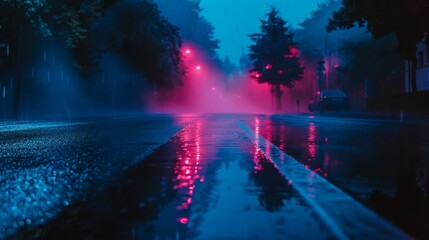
130,178
45,167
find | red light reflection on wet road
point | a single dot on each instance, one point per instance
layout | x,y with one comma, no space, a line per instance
311,141
257,154
187,169
312,151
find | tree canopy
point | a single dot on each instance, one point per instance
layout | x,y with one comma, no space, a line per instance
275,54
148,42
193,27
85,31
408,20
369,59
313,39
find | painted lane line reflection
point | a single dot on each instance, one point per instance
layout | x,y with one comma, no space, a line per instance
343,215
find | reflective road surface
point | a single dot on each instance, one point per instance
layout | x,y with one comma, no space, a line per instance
214,177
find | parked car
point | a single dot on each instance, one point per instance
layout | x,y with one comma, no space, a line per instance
330,100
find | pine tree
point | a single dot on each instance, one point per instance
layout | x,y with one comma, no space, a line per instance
275,55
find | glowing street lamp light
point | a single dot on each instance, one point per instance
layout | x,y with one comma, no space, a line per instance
188,51
198,67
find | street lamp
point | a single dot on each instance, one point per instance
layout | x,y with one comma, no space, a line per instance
320,73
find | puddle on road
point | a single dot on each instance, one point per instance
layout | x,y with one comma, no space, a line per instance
208,182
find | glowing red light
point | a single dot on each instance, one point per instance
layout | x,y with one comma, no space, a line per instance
268,66
183,220
318,92
293,52
281,72
198,68
188,51
258,75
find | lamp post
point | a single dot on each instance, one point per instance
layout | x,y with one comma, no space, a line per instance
320,73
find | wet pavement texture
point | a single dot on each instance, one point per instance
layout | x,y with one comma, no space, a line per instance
47,166
209,181
382,163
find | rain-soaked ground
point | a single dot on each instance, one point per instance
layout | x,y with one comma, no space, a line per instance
383,163
96,179
47,166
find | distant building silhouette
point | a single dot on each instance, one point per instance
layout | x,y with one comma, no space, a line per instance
422,73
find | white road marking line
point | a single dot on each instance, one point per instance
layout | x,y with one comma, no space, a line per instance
308,184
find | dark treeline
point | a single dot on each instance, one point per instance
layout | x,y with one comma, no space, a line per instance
68,58
356,61
407,21
186,15
360,50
